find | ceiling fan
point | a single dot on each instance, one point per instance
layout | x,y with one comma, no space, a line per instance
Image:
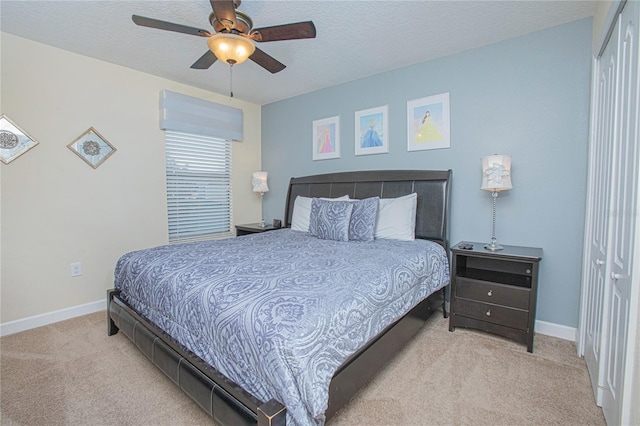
234,36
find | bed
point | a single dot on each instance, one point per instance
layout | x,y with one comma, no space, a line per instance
285,387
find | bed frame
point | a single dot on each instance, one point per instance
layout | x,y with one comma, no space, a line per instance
226,401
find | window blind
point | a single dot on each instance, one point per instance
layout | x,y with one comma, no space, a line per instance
198,172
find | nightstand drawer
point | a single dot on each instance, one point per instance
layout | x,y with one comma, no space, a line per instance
498,294
496,314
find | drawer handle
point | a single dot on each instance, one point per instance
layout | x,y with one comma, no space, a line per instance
489,313
490,293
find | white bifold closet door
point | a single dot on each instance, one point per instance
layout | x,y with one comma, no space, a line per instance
611,271
624,215
597,235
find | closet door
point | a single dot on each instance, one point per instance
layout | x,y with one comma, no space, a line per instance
597,236
626,156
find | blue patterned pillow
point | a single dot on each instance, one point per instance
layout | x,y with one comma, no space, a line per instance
363,219
329,220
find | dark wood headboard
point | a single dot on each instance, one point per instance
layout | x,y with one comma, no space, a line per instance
432,187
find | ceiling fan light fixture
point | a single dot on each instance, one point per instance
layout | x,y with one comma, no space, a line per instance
231,48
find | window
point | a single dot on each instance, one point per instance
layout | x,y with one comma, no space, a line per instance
198,149
198,186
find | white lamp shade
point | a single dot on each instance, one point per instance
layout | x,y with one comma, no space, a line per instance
496,173
259,182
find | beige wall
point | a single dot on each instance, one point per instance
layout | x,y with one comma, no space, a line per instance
56,209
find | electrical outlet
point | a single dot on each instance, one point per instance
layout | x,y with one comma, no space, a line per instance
76,269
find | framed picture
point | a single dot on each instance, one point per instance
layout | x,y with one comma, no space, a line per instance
372,131
428,123
326,138
92,147
13,140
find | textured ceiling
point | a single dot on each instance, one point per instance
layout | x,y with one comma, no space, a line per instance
355,38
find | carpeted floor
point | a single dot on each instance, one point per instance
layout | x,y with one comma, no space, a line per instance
71,373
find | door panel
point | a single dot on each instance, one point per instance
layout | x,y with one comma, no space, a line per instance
600,188
623,214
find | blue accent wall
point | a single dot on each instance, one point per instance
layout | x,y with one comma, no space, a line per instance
527,97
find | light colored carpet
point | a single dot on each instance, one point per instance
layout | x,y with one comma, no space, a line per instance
71,373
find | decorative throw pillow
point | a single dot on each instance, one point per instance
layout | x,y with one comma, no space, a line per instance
302,212
363,219
329,220
397,218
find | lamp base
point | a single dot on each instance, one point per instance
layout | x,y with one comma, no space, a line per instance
262,224
493,247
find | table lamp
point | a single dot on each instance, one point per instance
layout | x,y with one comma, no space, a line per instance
259,182
496,177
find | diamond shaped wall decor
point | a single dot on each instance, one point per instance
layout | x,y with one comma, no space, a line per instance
92,147
13,140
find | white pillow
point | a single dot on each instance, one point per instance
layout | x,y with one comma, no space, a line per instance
302,212
397,218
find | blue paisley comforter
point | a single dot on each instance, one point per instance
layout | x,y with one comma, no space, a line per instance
278,312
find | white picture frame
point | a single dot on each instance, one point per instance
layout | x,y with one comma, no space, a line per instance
372,131
326,138
429,123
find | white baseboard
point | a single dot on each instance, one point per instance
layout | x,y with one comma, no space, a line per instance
17,326
556,330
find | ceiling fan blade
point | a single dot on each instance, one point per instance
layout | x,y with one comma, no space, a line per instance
225,12
169,26
205,61
266,61
294,31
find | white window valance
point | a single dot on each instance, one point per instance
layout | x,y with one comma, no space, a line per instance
187,114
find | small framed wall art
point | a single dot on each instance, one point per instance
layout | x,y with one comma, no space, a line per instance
13,140
428,123
326,138
372,130
92,147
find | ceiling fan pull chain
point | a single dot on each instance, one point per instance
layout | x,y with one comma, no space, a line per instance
231,81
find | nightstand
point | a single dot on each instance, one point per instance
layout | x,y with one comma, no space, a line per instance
495,291
252,228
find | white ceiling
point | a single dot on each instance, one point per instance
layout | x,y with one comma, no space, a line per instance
355,38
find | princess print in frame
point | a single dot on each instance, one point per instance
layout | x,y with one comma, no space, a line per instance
326,138
428,123
372,129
